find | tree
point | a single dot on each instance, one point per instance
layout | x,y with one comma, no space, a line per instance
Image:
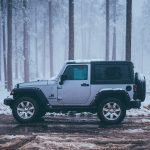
128,29
25,42
16,46
114,30
0,47
71,30
3,8
36,46
107,30
9,44
51,38
44,45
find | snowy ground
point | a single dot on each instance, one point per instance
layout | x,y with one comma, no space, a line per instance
144,111
74,133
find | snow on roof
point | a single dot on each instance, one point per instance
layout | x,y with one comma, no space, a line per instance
83,60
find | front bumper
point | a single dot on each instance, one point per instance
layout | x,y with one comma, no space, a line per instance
9,101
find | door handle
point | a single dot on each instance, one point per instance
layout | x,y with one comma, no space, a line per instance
84,84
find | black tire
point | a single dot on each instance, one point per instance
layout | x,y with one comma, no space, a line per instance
42,113
112,111
19,115
140,82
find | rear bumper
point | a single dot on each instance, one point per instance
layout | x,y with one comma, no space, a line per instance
9,101
134,104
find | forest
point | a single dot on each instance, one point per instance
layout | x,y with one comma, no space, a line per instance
38,36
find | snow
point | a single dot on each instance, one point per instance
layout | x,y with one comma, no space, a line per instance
134,131
3,108
83,60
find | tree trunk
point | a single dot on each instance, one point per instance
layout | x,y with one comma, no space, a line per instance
51,38
83,34
0,46
107,30
4,42
36,46
16,47
128,29
71,29
114,31
44,46
9,52
90,33
25,43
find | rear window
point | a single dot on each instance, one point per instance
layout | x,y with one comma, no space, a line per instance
107,73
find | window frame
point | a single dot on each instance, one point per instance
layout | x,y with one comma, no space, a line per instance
79,66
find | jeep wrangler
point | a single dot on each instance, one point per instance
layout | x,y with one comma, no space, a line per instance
107,88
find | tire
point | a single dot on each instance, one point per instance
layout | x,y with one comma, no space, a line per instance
25,110
140,82
111,111
42,113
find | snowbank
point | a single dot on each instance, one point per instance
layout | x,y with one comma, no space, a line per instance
4,94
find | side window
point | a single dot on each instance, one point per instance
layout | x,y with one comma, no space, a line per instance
103,73
76,72
108,73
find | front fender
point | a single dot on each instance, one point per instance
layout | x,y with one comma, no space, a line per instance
35,93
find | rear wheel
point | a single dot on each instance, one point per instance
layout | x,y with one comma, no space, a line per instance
25,110
111,111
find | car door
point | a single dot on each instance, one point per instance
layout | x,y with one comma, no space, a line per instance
75,90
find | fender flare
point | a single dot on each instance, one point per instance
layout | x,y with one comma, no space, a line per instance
35,93
116,93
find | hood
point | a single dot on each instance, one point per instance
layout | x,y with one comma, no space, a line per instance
36,83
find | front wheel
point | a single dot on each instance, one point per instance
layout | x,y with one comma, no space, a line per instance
25,110
111,111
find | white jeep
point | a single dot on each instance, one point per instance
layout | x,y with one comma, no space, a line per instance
107,88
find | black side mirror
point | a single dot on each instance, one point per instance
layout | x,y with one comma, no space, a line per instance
62,79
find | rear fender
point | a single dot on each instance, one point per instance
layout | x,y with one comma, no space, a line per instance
120,94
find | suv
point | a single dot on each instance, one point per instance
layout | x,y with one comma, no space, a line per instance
107,88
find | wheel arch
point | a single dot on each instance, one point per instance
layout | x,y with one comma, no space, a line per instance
120,94
34,93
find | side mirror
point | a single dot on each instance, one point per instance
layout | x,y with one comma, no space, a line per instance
62,79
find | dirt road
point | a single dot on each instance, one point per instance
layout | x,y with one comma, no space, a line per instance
74,132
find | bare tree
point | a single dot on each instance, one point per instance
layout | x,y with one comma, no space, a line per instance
0,47
114,31
44,45
107,30
51,38
36,46
128,29
3,7
71,29
25,42
83,32
16,47
9,40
